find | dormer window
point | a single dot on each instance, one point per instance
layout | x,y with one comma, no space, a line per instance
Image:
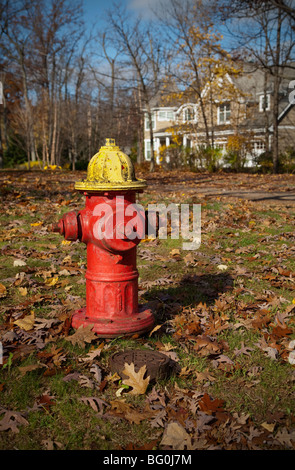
188,114
264,102
223,113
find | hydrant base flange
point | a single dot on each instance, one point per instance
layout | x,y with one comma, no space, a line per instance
108,328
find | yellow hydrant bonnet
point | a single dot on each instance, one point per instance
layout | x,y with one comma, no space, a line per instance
110,170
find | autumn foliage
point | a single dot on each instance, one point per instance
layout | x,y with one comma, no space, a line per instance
225,318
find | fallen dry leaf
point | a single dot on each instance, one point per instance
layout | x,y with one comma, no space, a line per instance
120,406
19,262
11,420
96,403
155,329
134,416
189,258
96,370
64,272
26,323
3,290
175,254
209,405
51,445
51,281
93,354
291,357
82,335
36,224
268,426
136,379
23,291
222,267
23,370
175,436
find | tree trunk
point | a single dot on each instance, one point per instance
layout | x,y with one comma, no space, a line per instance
152,164
89,131
5,133
54,132
140,156
266,115
1,149
276,95
211,115
96,124
30,130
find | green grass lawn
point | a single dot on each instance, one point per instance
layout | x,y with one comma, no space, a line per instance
224,315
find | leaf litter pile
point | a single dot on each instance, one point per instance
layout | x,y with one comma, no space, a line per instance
224,316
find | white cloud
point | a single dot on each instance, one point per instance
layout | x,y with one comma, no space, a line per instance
145,7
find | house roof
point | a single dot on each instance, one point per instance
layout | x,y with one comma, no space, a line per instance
251,82
188,127
252,79
163,97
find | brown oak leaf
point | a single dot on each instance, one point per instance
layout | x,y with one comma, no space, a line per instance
136,379
11,420
210,406
82,335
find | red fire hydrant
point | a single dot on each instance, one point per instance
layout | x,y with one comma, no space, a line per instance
111,225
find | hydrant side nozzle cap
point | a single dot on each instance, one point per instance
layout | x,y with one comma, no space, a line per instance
58,227
110,170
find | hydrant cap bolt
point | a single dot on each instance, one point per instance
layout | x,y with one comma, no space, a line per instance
110,170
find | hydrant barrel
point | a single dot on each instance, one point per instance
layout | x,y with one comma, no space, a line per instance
111,232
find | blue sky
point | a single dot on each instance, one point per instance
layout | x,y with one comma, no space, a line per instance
95,9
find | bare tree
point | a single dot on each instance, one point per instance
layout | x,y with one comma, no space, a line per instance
67,102
15,45
286,6
140,55
40,40
56,27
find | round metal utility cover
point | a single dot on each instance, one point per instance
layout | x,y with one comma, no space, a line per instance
158,365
